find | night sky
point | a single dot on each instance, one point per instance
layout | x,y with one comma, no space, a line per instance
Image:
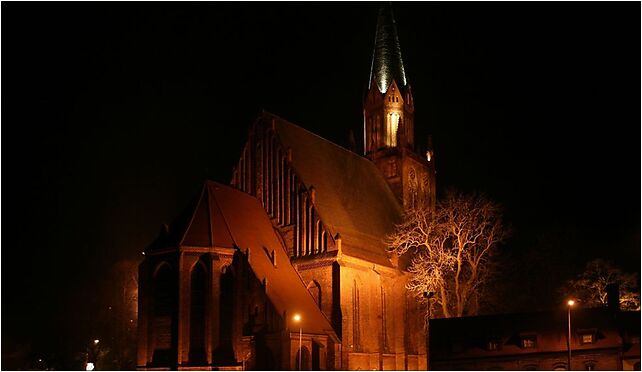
114,113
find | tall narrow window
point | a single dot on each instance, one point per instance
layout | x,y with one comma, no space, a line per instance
275,164
260,171
319,236
303,212
197,314
295,216
282,189
269,181
356,331
384,326
309,228
164,312
391,129
293,210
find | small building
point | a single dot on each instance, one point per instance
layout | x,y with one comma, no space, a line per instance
601,339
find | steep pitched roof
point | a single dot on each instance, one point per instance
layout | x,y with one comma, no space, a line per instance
387,64
226,217
352,197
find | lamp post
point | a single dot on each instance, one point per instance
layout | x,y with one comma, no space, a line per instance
570,304
297,318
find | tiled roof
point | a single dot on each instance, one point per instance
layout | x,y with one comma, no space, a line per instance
226,217
467,336
352,197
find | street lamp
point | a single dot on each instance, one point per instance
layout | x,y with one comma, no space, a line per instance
297,318
570,304
92,355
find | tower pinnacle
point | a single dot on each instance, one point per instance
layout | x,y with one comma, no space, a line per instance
387,64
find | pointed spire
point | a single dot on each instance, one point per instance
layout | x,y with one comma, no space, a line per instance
387,64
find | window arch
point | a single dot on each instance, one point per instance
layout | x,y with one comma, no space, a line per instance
356,329
164,310
225,351
319,236
324,241
304,355
198,290
392,125
309,234
259,172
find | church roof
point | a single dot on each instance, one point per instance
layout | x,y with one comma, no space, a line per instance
352,197
229,218
387,64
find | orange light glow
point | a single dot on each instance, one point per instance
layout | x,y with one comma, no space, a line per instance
297,317
571,302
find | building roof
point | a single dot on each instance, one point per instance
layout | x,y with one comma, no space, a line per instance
387,64
228,218
467,337
352,197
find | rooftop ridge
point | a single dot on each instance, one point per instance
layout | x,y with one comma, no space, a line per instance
316,135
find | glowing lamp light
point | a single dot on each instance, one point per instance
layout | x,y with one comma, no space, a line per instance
96,342
89,367
297,318
571,302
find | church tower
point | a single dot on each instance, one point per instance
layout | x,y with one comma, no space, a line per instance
389,123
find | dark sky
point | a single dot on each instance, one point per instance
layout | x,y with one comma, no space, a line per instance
114,113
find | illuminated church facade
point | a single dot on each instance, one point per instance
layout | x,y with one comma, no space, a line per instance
287,268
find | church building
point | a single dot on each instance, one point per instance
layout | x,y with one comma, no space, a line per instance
286,267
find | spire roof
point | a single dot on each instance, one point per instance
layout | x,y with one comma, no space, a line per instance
387,64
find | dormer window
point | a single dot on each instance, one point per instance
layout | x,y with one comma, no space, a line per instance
493,345
528,342
586,339
587,336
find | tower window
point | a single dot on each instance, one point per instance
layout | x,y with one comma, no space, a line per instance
391,129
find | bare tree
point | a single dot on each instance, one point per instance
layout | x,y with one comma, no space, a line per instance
590,286
450,250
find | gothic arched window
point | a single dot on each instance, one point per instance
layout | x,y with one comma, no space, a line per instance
412,183
197,313
392,124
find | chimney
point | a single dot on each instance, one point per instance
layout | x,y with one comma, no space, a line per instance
613,297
